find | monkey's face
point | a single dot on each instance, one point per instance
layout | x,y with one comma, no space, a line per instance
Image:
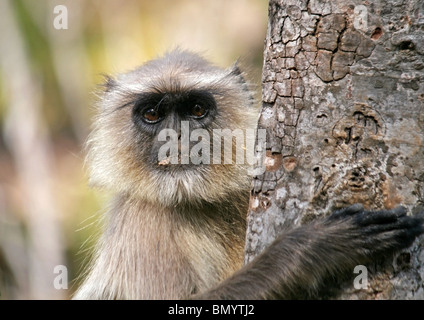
158,133
164,122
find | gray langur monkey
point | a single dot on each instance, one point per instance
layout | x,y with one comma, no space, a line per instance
176,231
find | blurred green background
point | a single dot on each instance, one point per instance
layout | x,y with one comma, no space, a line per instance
48,81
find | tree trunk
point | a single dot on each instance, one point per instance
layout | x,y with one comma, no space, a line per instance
343,106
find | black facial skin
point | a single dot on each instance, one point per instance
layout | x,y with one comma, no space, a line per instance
156,111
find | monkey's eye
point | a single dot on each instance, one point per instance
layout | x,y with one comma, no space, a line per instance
151,116
198,111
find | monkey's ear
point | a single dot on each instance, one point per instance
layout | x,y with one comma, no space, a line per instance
109,83
236,71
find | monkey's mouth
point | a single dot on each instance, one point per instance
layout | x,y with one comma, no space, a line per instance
183,161
179,163
169,160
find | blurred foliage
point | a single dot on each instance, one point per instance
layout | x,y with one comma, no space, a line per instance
103,37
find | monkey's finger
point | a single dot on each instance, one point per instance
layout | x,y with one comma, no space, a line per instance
402,238
380,216
405,223
354,208
399,211
349,211
383,239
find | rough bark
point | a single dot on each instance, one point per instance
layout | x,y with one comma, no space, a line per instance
343,106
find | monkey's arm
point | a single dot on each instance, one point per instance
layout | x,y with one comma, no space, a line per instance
296,263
